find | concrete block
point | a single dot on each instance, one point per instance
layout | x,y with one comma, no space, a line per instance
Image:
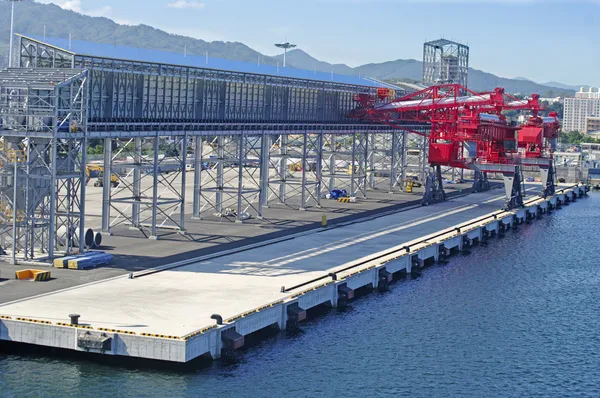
427,252
199,345
454,242
256,321
314,298
363,279
399,264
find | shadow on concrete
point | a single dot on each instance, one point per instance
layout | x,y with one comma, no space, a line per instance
133,262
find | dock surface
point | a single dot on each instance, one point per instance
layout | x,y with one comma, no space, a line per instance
180,301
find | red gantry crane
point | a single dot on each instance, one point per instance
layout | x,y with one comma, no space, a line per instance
468,130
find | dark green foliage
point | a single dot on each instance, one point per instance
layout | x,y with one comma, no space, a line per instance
577,137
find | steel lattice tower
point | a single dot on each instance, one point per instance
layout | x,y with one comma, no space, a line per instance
445,62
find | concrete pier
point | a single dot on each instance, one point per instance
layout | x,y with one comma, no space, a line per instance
179,313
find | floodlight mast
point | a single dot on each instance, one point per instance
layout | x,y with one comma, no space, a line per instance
285,47
12,31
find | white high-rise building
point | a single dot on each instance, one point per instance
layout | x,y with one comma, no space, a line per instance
590,93
585,104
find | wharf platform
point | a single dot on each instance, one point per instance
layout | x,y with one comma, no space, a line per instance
133,251
205,307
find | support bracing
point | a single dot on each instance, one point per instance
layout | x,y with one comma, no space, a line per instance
297,160
230,186
42,164
256,140
150,193
513,185
548,180
198,167
385,161
480,181
107,186
434,188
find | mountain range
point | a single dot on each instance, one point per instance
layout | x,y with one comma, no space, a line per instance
32,17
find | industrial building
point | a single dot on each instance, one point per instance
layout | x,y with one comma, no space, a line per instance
240,127
154,112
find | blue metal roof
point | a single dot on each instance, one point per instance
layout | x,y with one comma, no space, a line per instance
139,54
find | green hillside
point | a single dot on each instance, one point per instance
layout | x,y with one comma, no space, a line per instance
31,18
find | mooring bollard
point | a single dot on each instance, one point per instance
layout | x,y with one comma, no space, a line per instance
74,319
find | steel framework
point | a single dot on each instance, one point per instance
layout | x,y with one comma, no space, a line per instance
469,131
252,140
42,160
445,62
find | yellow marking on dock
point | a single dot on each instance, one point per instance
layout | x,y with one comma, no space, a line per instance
115,331
198,332
33,321
70,325
160,336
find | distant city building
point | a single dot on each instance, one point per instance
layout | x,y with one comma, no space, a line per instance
552,100
590,93
595,135
592,125
578,109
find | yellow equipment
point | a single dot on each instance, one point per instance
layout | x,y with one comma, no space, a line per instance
409,186
94,170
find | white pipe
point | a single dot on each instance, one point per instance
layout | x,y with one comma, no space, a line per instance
442,101
12,32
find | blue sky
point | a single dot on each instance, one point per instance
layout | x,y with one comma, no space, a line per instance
542,40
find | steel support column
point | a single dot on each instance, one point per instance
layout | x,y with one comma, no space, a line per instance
82,186
183,155
371,145
198,165
240,188
305,165
332,161
52,225
283,167
394,163
155,174
404,161
220,171
137,182
265,154
319,169
107,185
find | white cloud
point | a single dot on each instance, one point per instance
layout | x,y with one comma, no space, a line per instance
186,4
75,5
100,12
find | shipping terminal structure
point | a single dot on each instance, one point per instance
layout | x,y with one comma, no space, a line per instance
58,100
239,126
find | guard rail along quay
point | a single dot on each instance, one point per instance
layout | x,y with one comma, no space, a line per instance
208,308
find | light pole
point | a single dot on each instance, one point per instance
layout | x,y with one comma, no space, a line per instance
12,31
285,47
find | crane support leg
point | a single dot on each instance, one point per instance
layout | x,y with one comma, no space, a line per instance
481,183
514,189
548,184
434,189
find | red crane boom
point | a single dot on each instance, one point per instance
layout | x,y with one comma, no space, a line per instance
468,129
